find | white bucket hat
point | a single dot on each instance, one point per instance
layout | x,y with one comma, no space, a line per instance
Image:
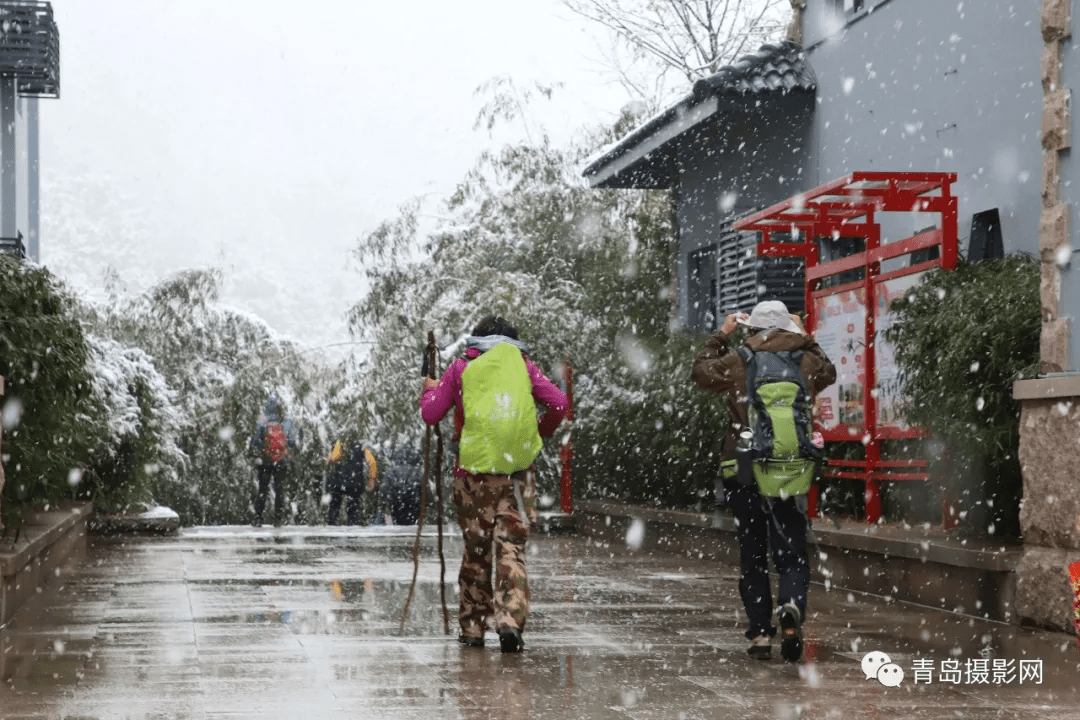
771,315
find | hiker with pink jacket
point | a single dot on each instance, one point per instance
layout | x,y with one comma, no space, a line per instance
494,391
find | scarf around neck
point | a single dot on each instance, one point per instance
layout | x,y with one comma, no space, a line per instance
483,343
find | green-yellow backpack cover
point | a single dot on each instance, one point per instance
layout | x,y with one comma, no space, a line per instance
500,434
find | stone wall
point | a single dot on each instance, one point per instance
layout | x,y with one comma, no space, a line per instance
1056,136
47,541
1050,459
1050,516
1043,591
1050,414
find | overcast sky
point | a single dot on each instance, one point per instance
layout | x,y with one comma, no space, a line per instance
265,136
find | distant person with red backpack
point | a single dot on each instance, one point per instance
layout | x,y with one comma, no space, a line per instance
494,391
272,443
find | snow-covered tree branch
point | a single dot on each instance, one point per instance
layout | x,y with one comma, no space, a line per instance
693,38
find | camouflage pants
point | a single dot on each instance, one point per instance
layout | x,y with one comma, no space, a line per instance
494,519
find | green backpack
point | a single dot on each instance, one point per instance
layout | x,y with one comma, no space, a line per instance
778,411
500,434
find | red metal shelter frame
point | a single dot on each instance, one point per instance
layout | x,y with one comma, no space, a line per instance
566,447
847,208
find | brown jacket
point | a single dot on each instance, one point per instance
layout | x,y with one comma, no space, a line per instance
719,369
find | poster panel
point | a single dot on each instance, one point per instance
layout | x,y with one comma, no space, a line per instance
841,333
890,381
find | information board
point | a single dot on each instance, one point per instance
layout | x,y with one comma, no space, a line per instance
841,333
890,381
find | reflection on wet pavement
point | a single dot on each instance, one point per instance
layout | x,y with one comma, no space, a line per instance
303,622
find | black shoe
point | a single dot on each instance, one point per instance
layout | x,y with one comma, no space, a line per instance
760,652
790,633
510,640
471,640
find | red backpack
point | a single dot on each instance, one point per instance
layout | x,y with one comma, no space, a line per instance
275,444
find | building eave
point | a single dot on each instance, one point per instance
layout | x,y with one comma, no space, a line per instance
640,155
644,157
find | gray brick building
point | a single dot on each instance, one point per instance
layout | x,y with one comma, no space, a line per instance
980,89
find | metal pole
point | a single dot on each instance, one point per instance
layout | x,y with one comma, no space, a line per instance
8,208
33,177
873,447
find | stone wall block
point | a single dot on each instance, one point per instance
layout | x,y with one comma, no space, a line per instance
1051,178
1049,456
1049,292
1053,231
1043,591
1055,120
1056,19
1051,66
1054,350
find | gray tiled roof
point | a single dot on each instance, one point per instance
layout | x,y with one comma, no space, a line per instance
774,73
772,68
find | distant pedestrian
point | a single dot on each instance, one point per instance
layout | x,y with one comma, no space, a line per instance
769,384
401,479
273,444
493,391
352,471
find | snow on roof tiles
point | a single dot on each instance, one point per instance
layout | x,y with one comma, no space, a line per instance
773,67
772,70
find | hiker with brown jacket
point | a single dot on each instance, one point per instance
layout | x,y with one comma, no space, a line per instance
764,520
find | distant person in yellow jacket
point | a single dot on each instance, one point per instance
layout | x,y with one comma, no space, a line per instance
350,475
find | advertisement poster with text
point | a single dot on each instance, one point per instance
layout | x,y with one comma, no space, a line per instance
890,381
841,333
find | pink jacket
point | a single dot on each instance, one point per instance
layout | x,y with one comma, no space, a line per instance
437,401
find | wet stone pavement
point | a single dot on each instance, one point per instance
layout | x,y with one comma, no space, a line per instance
234,622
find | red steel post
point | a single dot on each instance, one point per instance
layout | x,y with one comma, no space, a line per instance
566,448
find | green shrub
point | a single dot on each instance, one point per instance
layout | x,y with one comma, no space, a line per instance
51,421
651,435
962,338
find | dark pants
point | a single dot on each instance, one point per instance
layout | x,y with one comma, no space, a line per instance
352,506
402,502
763,522
270,472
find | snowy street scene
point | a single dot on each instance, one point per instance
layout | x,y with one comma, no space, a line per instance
225,622
564,359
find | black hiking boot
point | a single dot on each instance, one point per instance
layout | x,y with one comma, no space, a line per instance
790,632
510,640
760,648
471,640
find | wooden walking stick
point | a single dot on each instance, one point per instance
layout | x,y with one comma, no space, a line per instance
429,364
420,516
